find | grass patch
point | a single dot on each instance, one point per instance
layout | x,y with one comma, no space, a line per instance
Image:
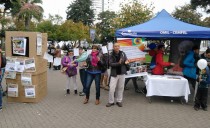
148,58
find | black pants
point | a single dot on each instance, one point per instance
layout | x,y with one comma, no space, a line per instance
134,79
191,81
201,98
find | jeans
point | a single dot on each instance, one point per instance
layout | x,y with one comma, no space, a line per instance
83,77
90,78
1,90
201,98
134,79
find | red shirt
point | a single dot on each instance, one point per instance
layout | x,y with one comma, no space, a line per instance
160,64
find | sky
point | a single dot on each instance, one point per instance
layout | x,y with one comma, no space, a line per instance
60,6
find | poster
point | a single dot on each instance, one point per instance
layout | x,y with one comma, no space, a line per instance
92,34
10,75
104,49
57,61
19,45
10,66
20,65
30,65
76,51
26,79
133,53
133,48
39,44
12,90
30,91
110,46
89,51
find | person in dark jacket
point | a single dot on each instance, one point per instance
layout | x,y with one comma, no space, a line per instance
93,73
206,56
117,62
202,92
189,70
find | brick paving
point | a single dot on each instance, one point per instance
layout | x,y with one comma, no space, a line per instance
60,111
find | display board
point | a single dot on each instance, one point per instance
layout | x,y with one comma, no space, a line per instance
26,69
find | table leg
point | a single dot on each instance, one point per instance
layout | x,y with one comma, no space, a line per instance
149,99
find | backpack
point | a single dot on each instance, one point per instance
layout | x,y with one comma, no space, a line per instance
181,63
104,66
153,62
3,61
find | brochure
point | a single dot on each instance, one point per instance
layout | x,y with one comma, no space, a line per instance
12,90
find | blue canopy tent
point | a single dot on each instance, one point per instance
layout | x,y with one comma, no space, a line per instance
164,26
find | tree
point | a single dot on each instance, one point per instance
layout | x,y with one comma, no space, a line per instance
104,27
206,22
74,32
48,27
28,9
80,10
56,19
185,13
201,3
133,13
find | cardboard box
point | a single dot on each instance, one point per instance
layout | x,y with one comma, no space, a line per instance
39,77
40,82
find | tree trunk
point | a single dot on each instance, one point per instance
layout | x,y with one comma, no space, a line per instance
27,23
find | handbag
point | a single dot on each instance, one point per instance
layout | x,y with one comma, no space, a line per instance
63,70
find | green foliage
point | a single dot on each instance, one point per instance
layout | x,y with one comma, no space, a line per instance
201,3
80,11
49,28
27,9
185,13
71,31
104,27
206,22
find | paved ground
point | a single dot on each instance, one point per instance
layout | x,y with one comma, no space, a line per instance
60,111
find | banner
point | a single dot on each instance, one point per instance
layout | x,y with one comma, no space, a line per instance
133,48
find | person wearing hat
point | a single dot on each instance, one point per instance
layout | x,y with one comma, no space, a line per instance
71,70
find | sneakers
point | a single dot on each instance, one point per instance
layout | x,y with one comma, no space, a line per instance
85,101
0,108
205,109
109,104
119,104
81,94
126,88
106,88
196,108
138,91
67,91
75,92
97,102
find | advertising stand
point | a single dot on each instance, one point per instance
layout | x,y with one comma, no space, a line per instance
25,63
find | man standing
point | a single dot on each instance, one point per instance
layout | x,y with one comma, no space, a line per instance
117,62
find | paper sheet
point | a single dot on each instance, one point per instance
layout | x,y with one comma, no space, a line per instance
104,49
76,51
57,61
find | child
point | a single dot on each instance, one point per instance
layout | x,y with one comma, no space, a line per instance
202,92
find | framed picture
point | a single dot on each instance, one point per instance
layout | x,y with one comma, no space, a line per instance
20,46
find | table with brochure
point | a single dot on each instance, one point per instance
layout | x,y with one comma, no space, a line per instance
167,85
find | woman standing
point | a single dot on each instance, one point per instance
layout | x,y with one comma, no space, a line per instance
71,71
93,72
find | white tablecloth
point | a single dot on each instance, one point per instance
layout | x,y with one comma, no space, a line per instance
165,85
